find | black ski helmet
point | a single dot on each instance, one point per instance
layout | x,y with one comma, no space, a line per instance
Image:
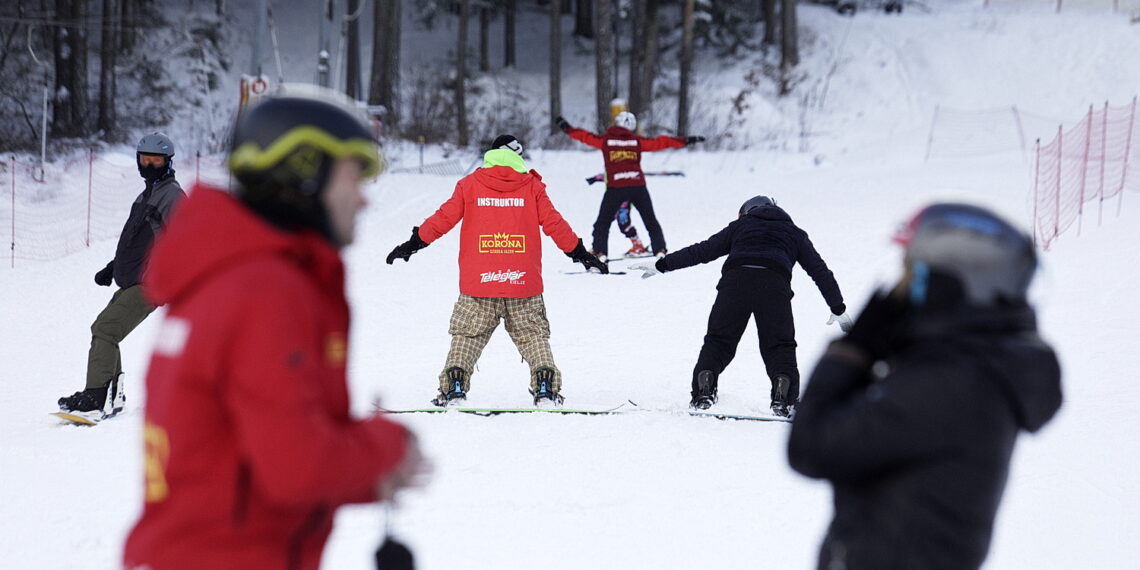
756,202
283,151
992,261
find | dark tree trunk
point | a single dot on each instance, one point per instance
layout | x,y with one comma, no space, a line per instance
70,116
108,49
604,60
484,39
511,8
789,38
461,77
555,63
384,84
686,69
584,19
638,74
771,23
352,59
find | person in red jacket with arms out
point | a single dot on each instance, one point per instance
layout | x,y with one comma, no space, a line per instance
625,182
249,444
502,207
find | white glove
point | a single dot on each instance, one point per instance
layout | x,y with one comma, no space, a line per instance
650,269
844,321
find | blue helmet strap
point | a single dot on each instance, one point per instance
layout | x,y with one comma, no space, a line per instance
919,282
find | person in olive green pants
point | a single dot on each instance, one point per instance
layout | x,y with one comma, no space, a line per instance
102,395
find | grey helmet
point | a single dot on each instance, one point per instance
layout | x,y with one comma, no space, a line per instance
756,202
992,261
156,143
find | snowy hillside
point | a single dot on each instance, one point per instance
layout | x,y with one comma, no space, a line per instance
657,489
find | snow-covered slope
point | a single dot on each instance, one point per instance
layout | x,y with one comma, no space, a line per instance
654,489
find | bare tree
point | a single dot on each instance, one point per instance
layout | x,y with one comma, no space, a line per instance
643,58
686,68
108,49
510,8
604,60
555,63
461,76
352,59
584,19
789,39
70,54
484,37
771,24
384,86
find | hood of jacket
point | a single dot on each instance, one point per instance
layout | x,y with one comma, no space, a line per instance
770,213
1006,342
504,171
212,230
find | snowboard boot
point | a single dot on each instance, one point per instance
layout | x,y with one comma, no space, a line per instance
544,394
638,249
96,404
785,395
456,378
704,390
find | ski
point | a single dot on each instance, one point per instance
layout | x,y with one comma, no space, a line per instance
81,418
745,417
592,273
601,177
500,411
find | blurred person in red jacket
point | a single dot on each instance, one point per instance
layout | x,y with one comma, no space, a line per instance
250,447
502,206
621,150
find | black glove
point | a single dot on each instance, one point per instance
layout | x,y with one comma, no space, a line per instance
879,324
694,139
580,255
105,275
406,249
562,123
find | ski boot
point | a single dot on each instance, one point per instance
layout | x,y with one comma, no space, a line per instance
638,249
96,404
455,392
704,390
660,253
544,394
601,257
785,396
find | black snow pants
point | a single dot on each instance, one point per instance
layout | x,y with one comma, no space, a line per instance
611,203
745,292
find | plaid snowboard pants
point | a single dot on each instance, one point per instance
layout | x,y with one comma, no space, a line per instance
474,319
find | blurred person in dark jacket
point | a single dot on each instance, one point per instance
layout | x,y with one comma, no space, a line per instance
913,415
762,245
103,396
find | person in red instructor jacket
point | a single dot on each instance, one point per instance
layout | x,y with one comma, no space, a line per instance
502,206
250,448
625,182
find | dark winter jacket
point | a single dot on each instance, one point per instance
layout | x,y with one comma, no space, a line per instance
765,237
919,459
250,446
149,213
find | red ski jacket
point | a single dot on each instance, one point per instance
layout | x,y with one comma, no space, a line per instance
621,149
502,207
249,444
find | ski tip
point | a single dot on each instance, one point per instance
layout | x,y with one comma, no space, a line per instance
74,419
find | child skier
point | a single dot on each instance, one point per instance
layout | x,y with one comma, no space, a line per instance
762,245
502,207
625,182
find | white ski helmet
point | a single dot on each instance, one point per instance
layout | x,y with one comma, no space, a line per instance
626,120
